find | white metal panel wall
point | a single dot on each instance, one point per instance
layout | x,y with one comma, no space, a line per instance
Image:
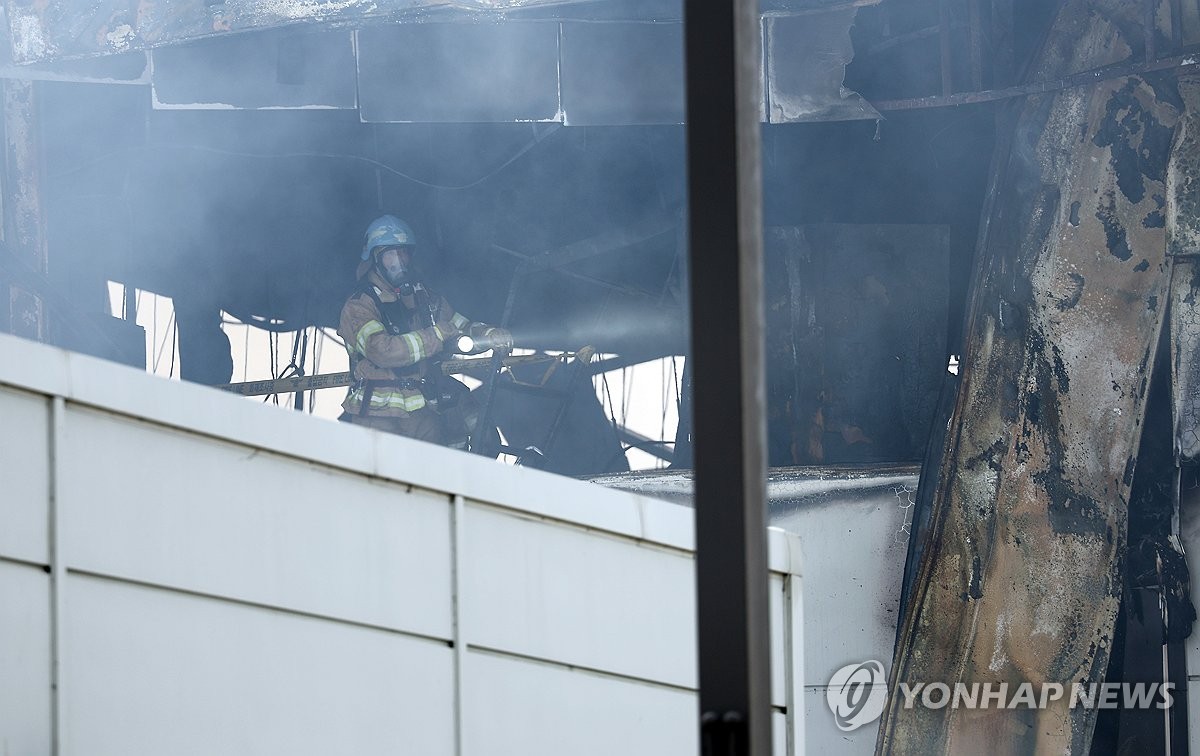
24,475
25,630
25,726
557,593
215,576
160,505
853,533
854,559
154,671
518,708
854,553
776,606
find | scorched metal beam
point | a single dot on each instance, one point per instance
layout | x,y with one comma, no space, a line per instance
1021,578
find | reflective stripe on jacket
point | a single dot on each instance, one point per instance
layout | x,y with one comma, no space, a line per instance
377,355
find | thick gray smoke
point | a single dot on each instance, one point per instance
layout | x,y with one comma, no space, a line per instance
239,172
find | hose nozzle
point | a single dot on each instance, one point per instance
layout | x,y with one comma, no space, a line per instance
481,338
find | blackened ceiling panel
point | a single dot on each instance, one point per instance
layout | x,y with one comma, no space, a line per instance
285,68
459,72
806,65
622,74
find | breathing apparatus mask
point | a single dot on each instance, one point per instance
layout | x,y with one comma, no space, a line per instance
391,242
395,264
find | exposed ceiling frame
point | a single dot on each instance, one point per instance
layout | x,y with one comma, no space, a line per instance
63,29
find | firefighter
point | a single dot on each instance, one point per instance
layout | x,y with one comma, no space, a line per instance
397,331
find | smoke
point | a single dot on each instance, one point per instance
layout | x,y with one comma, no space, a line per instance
191,189
632,329
239,173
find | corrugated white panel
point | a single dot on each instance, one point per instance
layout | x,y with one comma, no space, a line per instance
558,592
24,474
24,660
515,707
170,508
157,672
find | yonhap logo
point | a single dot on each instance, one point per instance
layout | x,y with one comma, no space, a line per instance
857,694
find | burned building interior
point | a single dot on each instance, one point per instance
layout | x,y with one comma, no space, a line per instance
238,172
229,157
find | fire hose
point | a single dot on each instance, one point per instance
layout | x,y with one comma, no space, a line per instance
473,366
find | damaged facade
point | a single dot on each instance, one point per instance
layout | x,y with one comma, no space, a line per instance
1022,577
1006,183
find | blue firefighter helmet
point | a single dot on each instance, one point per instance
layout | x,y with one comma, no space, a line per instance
387,231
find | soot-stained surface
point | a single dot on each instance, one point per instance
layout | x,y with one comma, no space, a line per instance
1021,577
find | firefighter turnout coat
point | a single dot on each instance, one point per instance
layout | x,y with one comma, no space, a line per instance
389,363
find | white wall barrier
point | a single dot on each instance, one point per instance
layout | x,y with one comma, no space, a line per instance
852,525
185,572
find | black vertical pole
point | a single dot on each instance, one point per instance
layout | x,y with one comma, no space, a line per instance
723,47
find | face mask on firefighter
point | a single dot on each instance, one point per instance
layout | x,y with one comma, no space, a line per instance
395,264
